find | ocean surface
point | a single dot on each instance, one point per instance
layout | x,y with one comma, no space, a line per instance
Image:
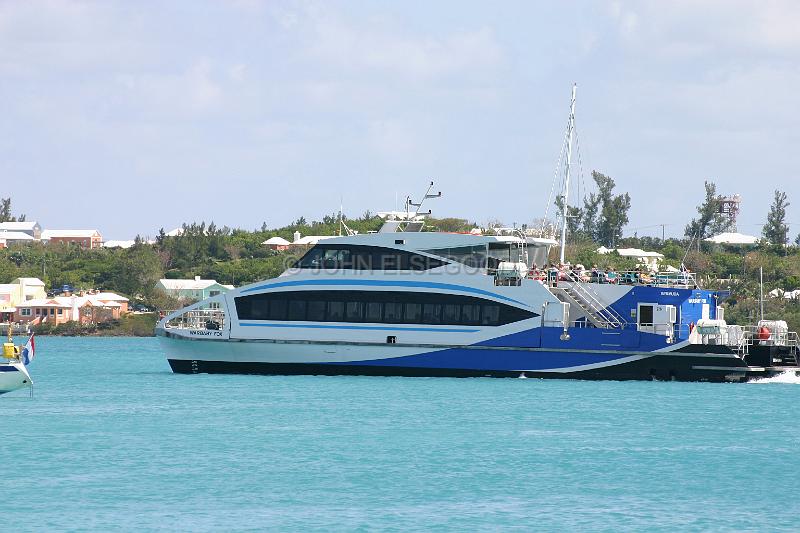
112,440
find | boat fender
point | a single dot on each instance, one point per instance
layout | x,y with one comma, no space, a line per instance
9,351
764,333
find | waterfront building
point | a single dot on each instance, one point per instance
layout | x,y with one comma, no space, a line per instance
18,291
91,308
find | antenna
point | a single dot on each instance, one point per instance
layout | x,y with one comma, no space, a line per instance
565,206
410,203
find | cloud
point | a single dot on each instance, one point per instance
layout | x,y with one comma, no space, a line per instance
379,45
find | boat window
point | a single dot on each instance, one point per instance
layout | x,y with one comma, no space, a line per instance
393,312
412,312
432,314
646,314
335,311
490,314
373,312
470,314
354,311
358,257
277,309
451,314
316,310
473,256
377,307
297,310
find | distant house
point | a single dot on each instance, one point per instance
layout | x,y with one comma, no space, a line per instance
17,292
110,297
192,289
87,309
13,237
86,238
277,243
32,228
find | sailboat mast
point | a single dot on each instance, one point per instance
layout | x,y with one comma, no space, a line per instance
570,133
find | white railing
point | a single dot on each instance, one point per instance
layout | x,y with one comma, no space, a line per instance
591,299
207,319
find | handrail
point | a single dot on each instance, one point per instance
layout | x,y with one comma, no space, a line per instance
591,299
213,319
635,277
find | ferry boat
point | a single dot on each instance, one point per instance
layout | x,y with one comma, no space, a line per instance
414,303
406,302
13,364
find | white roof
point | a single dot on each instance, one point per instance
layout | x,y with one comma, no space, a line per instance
18,226
733,238
630,252
57,301
187,284
70,233
118,244
69,301
636,252
429,240
277,241
110,296
15,236
31,281
177,232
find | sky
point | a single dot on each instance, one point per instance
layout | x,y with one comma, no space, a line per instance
132,116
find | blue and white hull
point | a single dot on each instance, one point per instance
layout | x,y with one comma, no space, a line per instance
13,377
448,320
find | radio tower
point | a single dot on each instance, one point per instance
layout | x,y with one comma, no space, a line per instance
729,206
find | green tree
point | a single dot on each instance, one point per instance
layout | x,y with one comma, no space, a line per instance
574,218
711,221
776,231
5,212
613,210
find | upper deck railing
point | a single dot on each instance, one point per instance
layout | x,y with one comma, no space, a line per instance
207,319
683,280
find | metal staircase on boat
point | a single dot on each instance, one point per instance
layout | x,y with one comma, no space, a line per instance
578,293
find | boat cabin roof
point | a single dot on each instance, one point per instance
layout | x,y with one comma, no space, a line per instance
411,240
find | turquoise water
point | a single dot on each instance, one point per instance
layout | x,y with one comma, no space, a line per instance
111,440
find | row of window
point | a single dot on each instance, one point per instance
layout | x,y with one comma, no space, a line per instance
357,257
377,307
26,311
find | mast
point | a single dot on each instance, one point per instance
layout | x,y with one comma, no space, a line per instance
570,133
